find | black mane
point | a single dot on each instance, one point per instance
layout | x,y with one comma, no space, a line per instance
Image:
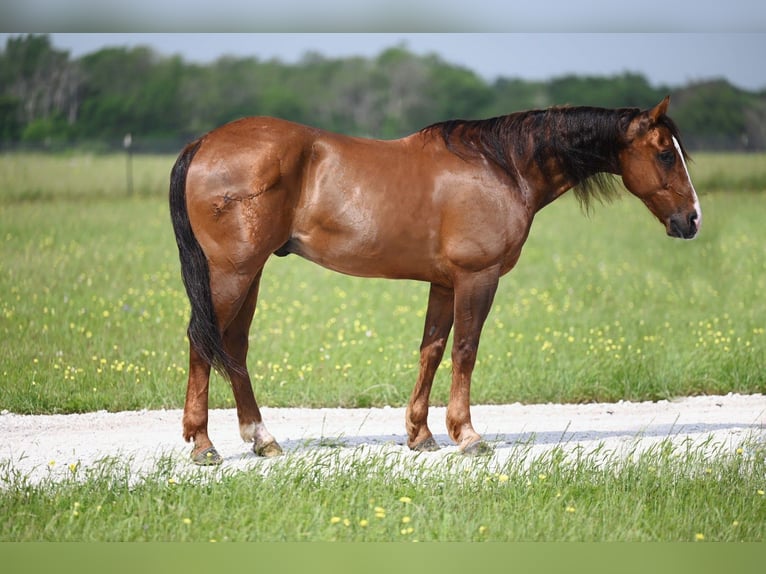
584,143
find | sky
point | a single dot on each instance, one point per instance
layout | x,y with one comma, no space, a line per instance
665,59
384,15
671,42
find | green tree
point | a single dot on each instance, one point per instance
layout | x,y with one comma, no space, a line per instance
455,92
515,95
38,84
10,123
130,90
712,114
626,90
47,97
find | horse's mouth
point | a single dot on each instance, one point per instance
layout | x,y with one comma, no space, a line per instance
683,227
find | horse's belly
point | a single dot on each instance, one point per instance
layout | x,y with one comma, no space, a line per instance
395,257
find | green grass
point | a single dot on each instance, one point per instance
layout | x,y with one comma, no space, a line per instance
729,171
34,177
597,309
93,316
664,494
93,313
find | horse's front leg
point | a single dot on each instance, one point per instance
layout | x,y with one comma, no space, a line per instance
435,334
474,294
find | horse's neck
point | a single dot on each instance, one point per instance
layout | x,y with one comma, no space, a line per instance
572,151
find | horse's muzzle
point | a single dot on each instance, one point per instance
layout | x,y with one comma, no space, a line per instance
684,225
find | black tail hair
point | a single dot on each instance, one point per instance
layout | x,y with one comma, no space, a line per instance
203,331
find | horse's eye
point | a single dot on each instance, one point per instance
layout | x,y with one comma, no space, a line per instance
667,157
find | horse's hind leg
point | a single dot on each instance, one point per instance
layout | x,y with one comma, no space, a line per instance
235,339
435,333
229,290
234,300
195,411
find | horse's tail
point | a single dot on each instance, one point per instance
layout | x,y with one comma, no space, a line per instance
203,331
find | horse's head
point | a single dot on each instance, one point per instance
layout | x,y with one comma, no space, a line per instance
653,168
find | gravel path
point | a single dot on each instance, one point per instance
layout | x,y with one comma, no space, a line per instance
46,445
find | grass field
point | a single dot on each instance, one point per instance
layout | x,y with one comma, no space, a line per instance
666,493
93,316
605,307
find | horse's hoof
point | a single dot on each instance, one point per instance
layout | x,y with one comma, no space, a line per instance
427,445
477,448
268,449
207,457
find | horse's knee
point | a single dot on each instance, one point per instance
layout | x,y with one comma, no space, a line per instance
464,354
433,352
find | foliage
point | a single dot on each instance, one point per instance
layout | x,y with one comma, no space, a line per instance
626,90
48,98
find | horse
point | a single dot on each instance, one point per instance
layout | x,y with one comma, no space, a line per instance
451,204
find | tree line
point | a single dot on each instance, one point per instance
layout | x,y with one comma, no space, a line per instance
50,100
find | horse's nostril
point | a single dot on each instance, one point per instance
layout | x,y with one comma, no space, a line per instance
693,224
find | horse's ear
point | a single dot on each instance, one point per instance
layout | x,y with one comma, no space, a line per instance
659,110
649,118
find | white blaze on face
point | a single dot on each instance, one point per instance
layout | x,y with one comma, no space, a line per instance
697,206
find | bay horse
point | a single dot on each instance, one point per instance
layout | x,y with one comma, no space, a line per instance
451,204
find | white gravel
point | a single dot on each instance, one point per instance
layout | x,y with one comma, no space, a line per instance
51,445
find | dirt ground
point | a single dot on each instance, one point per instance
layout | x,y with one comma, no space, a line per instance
51,445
